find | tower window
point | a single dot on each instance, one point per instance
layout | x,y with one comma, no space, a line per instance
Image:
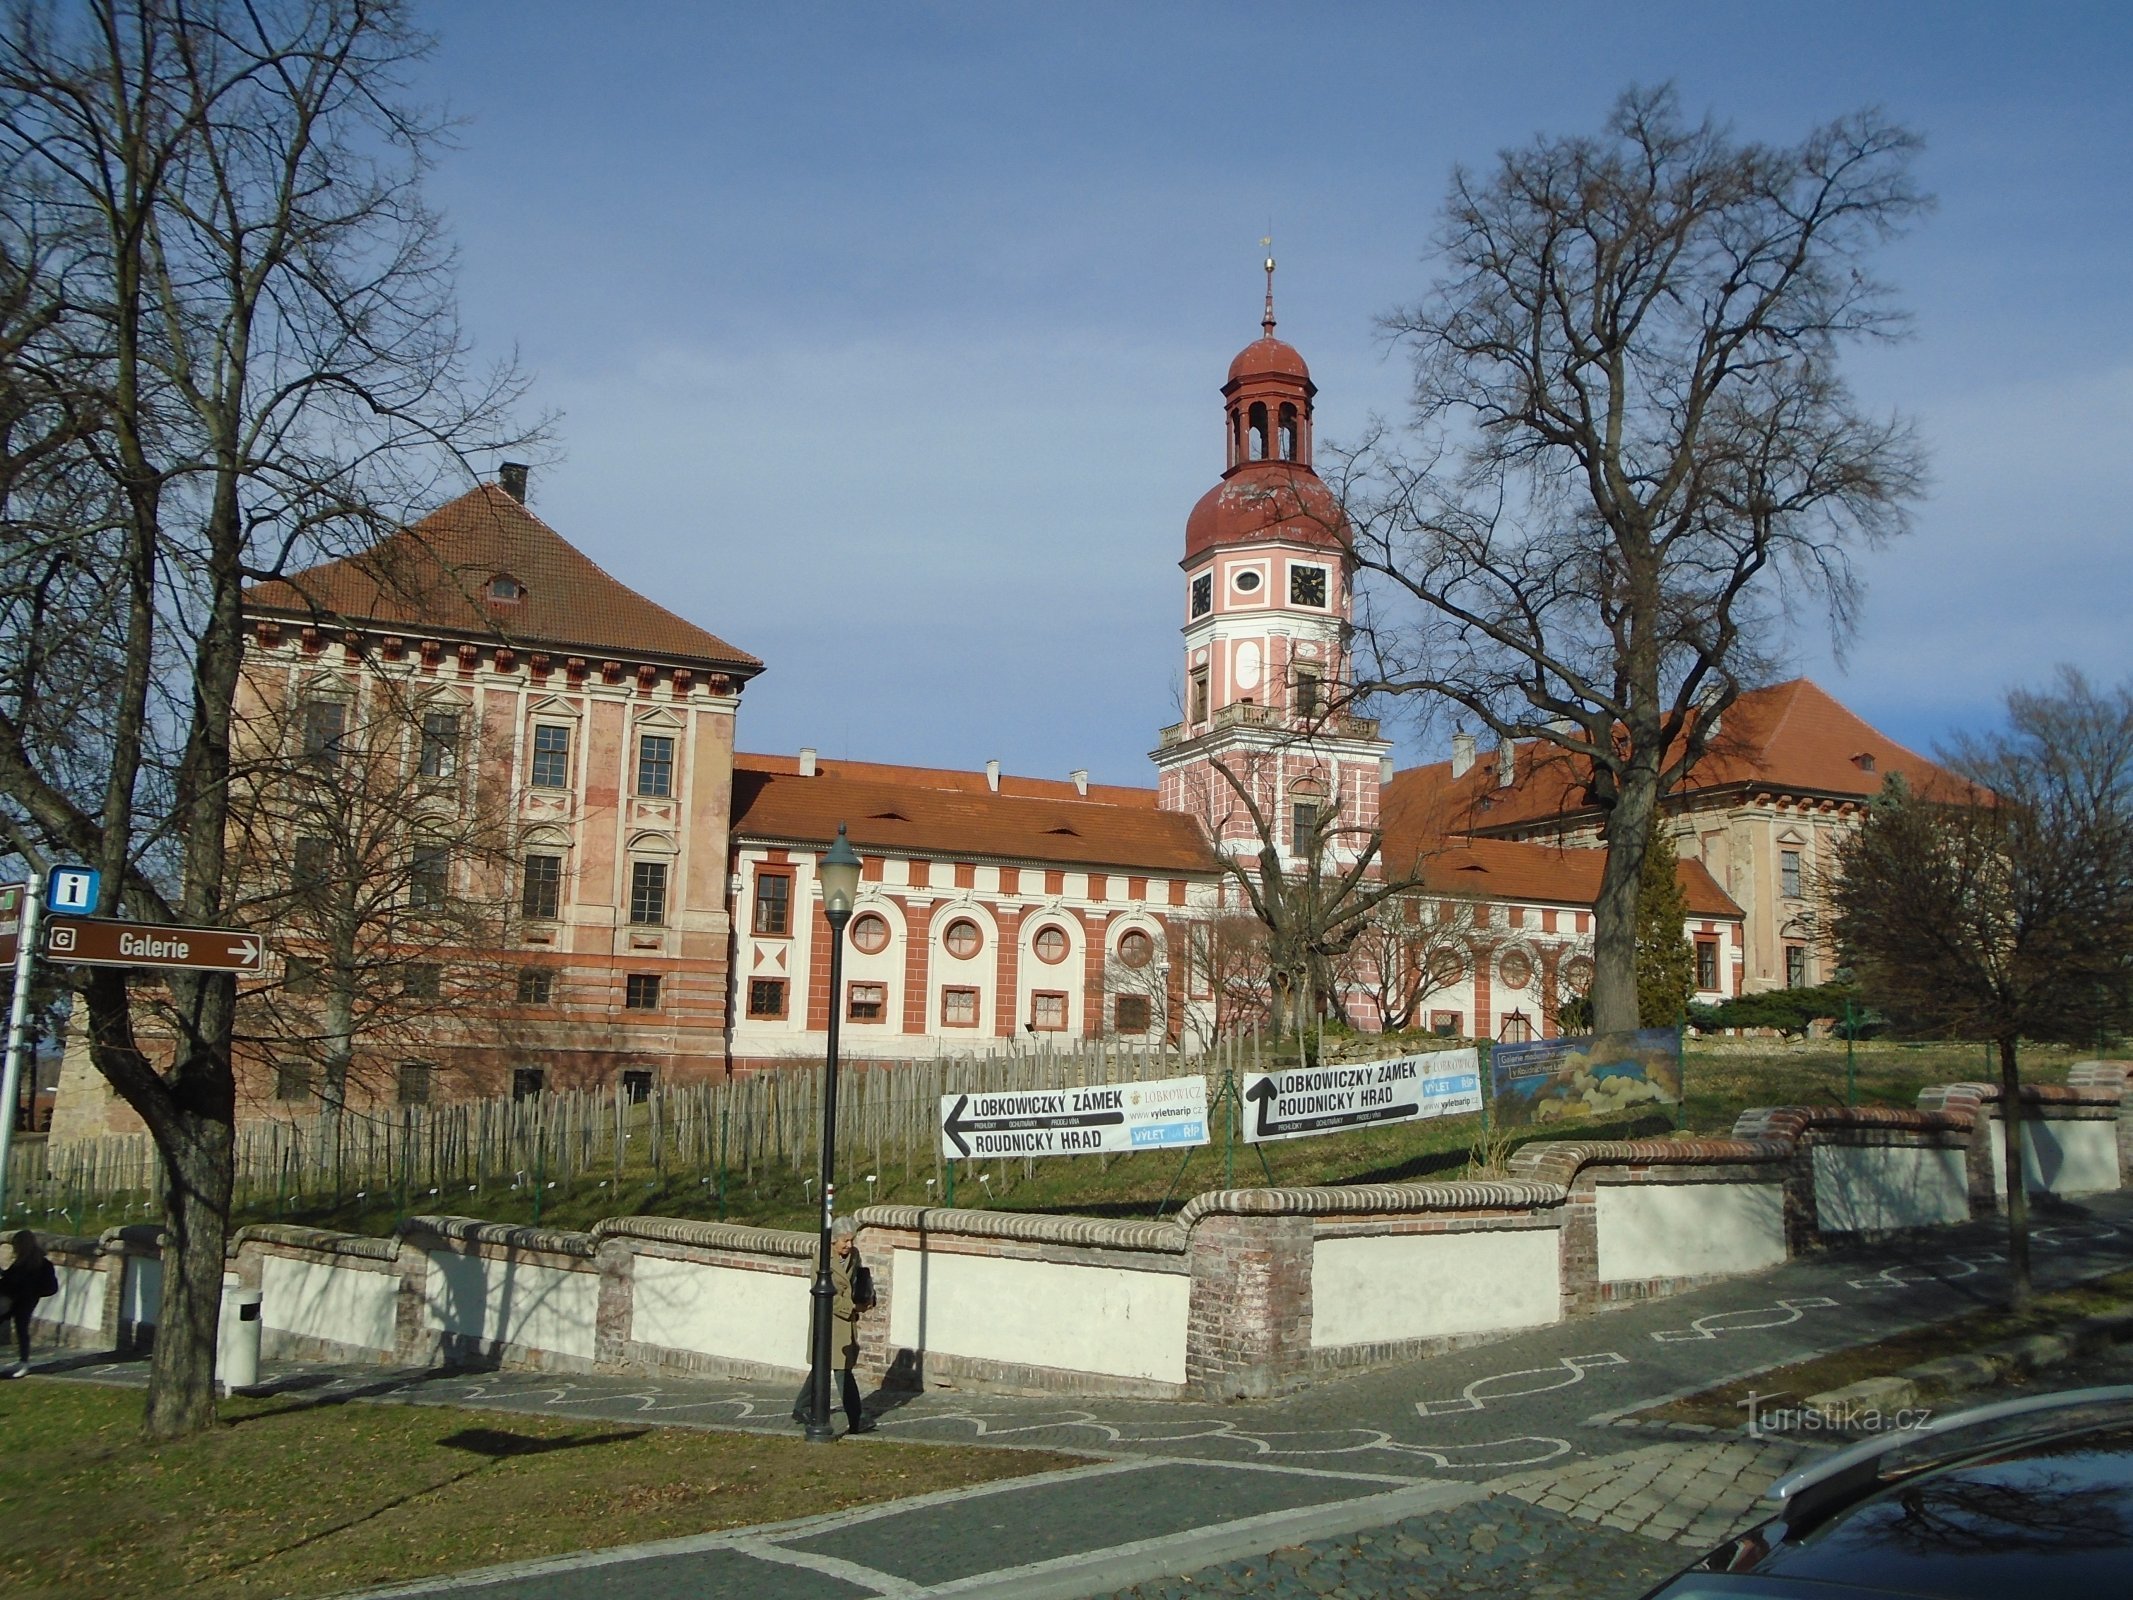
1199,695
1258,430
1288,433
1307,697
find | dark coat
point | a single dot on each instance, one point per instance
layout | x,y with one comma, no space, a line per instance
26,1281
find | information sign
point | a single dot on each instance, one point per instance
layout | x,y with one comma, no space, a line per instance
1296,1102
1110,1119
72,890
104,942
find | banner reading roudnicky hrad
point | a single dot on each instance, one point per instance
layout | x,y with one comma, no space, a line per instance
1295,1102
1591,1075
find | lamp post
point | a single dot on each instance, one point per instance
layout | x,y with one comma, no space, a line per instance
838,873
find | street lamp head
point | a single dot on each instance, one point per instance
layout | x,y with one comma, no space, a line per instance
839,873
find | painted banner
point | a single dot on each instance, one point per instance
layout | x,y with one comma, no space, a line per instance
1297,1102
1108,1119
1555,1080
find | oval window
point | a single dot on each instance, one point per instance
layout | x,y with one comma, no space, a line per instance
1246,582
1050,944
1577,974
870,933
963,939
1135,948
1516,967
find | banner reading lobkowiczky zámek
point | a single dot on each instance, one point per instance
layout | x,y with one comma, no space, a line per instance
1590,1075
1297,1102
1093,1119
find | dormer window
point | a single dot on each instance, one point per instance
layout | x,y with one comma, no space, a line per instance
1864,761
505,589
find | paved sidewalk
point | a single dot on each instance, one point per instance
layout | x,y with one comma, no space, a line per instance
1494,1471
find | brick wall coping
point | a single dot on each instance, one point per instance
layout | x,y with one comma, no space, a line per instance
472,1230
322,1241
1353,1199
133,1238
709,1236
1559,1162
1029,1227
2106,1075
1966,1097
1793,1122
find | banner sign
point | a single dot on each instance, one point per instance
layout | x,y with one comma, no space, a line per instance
1554,1080
1107,1119
1297,1102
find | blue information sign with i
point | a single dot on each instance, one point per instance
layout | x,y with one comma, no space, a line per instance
71,891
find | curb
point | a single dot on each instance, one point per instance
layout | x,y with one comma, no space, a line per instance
1976,1369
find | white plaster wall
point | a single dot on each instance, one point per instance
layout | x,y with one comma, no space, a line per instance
1371,1288
315,1300
513,1302
1859,1188
80,1301
1682,1230
1042,1313
2060,1157
720,1311
141,1295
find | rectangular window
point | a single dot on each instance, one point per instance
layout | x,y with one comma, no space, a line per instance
300,976
648,892
1707,964
551,757
1198,712
292,1081
773,902
526,1082
429,871
1048,1012
1517,1028
766,997
636,1086
536,986
439,757
1444,1024
655,765
325,732
1789,874
421,980
414,1083
959,1008
1795,966
313,863
540,890
1132,1013
1303,826
1307,699
866,1002
640,991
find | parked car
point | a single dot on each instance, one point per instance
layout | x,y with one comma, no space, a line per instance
2030,1498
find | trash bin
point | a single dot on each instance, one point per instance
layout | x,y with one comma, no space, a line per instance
237,1339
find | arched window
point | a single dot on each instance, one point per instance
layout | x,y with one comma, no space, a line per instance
1258,426
1288,433
1236,436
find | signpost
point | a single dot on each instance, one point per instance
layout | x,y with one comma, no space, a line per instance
1297,1102
26,907
1108,1119
105,942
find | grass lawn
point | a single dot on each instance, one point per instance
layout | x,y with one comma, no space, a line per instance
312,1499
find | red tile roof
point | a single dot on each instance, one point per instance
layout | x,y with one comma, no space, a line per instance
928,812
1790,737
435,575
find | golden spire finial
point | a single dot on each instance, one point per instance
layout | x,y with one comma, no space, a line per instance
1266,323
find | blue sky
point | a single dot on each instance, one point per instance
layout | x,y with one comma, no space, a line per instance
887,339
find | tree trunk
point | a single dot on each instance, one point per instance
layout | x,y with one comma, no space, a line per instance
2016,1189
1614,913
197,1147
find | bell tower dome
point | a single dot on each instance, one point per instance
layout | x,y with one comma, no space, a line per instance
1266,687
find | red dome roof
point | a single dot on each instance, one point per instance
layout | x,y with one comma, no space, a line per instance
1265,500
1269,358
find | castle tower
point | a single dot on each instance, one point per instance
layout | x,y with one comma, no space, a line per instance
1266,679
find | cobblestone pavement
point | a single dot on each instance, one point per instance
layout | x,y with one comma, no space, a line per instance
1690,1494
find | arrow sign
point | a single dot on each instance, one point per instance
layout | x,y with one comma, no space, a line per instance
103,942
1098,1118
1299,1101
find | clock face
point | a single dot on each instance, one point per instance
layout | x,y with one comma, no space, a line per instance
1203,594
1307,586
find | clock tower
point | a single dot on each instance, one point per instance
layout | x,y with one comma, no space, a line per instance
1268,745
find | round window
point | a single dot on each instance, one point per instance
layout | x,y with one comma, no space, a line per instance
1516,967
1050,944
1135,948
963,939
1577,974
870,934
1247,581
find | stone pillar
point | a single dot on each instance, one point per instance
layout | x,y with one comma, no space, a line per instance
1248,1334
616,1263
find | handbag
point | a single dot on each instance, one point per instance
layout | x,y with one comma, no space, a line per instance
862,1287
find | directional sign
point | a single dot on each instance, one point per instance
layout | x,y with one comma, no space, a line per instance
1112,1118
101,942
72,890
1299,1101
11,897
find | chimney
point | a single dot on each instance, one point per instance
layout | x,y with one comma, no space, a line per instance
1506,763
1462,754
992,776
1080,777
807,761
511,477
1384,771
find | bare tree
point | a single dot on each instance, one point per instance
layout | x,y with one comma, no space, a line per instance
1633,448
1411,948
2006,912
255,363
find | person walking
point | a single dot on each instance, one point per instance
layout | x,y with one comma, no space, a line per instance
854,1289
27,1279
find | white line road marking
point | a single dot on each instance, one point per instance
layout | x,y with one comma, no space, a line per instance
1567,1370
1900,1277
864,1577
1718,1322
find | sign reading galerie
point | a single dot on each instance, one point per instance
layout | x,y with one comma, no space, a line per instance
1098,1119
101,942
1296,1102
